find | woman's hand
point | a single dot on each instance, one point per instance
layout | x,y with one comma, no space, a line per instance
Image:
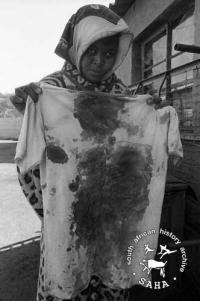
21,94
156,100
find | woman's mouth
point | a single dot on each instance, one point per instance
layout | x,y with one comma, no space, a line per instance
96,72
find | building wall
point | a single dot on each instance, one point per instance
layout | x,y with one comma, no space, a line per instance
141,14
196,88
124,71
197,25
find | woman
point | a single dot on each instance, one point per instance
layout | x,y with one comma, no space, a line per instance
93,45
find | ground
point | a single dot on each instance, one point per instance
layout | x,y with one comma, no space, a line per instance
18,221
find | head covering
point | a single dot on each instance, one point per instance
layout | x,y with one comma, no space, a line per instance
89,24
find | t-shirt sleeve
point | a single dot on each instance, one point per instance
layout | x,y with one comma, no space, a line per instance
31,142
175,149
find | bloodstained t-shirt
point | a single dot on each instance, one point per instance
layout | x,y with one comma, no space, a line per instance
103,162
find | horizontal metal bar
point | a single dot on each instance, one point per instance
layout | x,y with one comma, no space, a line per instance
175,55
173,70
187,48
164,60
155,65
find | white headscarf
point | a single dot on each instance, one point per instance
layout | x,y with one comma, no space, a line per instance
89,24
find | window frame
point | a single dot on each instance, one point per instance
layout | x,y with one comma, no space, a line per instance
168,28
146,41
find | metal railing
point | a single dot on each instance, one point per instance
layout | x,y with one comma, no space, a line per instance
135,86
182,93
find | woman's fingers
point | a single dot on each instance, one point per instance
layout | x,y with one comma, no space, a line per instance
21,93
15,99
18,102
36,88
149,99
154,100
32,90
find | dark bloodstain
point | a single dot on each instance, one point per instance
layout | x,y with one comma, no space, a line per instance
46,128
164,118
44,186
50,138
53,191
98,116
56,154
60,287
79,281
75,184
165,144
131,129
111,140
111,192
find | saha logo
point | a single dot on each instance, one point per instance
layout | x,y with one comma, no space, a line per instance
163,256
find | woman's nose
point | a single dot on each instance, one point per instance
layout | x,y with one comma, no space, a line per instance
99,60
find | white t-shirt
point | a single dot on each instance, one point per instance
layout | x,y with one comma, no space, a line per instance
103,162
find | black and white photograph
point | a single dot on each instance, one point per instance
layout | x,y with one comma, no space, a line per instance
100,150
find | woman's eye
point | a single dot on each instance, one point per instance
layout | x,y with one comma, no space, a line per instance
110,54
91,51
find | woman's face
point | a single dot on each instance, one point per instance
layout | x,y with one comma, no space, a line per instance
99,59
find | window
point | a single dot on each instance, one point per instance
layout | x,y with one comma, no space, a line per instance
154,49
158,52
183,32
154,52
158,55
155,55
